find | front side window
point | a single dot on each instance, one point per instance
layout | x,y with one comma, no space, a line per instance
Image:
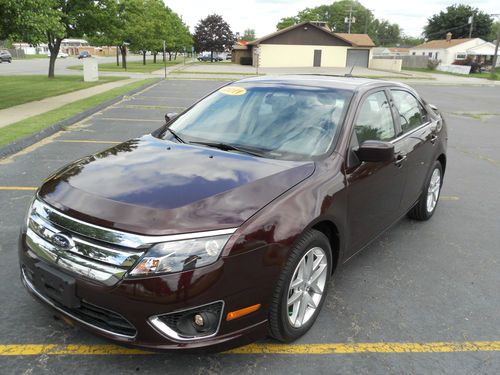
374,120
411,112
279,121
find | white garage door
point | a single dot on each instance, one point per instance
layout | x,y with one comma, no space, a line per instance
358,57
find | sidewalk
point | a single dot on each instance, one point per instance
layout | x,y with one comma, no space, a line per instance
23,111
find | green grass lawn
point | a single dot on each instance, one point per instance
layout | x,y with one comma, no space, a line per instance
23,89
30,57
471,75
133,66
34,124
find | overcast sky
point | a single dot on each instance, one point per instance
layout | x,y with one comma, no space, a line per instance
263,15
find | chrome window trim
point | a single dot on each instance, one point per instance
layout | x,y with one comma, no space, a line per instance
169,333
116,237
404,135
32,289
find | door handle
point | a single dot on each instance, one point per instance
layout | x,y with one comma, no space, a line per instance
434,138
400,159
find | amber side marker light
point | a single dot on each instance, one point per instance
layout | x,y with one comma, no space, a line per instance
242,312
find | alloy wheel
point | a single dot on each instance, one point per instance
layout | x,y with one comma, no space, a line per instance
433,190
307,286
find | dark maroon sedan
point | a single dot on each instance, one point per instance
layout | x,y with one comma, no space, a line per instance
227,223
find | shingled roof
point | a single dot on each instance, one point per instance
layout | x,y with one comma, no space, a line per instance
442,43
356,40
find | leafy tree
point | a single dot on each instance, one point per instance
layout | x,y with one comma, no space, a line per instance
455,20
213,34
494,31
410,41
287,22
248,35
37,21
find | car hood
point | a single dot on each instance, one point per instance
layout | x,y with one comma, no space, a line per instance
157,187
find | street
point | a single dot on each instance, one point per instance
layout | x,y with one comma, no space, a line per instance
420,282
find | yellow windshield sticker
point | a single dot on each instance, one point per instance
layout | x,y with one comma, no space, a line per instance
233,90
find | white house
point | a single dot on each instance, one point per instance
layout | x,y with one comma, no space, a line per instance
449,50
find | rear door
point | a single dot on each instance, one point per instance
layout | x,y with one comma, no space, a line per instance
374,189
417,139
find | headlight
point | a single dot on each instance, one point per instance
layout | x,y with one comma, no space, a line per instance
177,256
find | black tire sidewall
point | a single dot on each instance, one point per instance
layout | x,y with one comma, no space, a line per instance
317,239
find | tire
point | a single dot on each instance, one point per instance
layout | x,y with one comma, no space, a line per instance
424,210
284,321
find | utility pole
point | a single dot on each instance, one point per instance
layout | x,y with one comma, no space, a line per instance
495,56
164,59
349,20
471,22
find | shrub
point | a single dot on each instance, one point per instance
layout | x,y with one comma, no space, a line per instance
433,63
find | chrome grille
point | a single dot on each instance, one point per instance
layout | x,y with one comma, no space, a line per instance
93,258
95,252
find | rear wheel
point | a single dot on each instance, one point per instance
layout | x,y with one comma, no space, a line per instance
302,287
426,205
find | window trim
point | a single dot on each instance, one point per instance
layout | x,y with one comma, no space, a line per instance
403,135
351,117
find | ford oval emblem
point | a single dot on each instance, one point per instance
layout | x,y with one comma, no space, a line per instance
62,241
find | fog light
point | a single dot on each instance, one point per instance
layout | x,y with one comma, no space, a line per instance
198,320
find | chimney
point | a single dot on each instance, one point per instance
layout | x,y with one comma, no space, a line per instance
448,36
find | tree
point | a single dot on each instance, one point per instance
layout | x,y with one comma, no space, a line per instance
287,22
494,31
248,35
456,20
410,41
36,21
213,34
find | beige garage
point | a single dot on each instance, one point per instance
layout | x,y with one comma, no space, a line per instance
310,44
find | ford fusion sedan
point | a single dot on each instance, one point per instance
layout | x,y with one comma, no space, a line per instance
226,224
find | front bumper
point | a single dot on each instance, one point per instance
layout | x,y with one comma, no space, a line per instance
239,281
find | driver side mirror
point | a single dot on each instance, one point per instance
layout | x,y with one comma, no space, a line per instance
375,151
170,116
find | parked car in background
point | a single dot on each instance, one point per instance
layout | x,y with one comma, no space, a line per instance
84,55
5,56
206,56
227,223
60,55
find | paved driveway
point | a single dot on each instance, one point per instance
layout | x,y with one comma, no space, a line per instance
417,286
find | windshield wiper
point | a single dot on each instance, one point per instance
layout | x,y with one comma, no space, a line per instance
227,147
176,136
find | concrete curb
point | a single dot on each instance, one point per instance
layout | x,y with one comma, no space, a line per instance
25,142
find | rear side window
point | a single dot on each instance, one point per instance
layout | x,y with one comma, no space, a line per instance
374,120
411,113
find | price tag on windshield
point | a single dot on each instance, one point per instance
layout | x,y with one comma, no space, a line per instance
233,90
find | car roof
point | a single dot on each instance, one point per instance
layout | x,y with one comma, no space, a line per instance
323,80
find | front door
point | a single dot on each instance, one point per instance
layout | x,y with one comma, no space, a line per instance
317,57
374,189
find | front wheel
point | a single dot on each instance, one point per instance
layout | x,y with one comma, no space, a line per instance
426,205
301,288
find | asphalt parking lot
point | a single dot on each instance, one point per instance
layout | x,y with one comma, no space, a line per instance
422,299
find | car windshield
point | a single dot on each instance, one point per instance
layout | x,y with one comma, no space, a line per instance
276,121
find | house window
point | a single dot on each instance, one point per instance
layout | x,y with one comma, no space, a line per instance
413,53
423,53
461,56
436,56
430,54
